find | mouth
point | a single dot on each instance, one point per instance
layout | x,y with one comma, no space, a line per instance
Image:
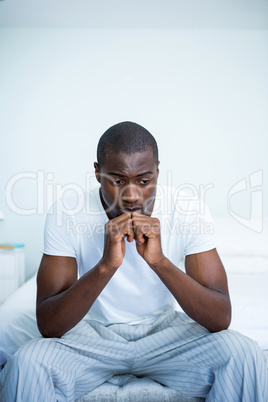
131,210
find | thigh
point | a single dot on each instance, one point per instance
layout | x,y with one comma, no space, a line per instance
64,368
190,359
164,355
170,333
81,348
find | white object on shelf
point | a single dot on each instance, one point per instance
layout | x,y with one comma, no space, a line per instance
12,270
1,215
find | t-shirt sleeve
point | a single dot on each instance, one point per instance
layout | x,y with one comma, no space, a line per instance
199,233
58,239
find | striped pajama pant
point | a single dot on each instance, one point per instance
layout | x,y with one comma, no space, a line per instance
171,349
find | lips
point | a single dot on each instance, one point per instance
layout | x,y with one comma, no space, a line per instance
131,210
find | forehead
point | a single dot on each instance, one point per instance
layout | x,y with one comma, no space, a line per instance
129,164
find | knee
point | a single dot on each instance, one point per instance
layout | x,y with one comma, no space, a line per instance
240,347
28,354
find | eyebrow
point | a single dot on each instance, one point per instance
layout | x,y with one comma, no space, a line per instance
122,175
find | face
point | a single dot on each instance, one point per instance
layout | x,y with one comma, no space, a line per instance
128,183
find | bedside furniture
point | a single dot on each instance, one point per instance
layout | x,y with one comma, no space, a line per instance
12,269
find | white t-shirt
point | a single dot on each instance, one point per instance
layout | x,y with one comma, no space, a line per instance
75,228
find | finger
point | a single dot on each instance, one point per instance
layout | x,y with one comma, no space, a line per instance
116,224
120,229
137,215
130,232
139,230
146,228
122,218
138,235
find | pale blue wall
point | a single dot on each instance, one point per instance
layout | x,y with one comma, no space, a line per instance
202,93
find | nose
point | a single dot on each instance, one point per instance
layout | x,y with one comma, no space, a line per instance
131,194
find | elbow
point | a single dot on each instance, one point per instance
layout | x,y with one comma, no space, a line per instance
222,323
47,327
48,322
221,326
47,331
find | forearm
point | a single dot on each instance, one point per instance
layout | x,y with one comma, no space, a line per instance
59,313
210,308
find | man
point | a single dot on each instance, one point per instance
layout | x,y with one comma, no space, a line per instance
120,315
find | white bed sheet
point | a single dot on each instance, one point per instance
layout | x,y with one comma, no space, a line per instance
248,294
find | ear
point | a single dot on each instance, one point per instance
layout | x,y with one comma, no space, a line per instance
158,163
97,171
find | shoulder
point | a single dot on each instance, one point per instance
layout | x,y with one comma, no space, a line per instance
182,201
77,205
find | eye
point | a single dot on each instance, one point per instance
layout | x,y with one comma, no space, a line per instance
143,182
117,182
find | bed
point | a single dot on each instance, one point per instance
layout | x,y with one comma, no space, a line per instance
245,256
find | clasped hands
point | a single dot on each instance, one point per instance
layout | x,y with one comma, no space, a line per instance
145,230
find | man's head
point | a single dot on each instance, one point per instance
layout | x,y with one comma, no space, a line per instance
127,169
127,138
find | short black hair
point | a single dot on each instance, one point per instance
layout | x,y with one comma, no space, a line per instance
126,137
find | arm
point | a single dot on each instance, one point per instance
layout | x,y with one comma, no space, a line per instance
202,291
62,300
